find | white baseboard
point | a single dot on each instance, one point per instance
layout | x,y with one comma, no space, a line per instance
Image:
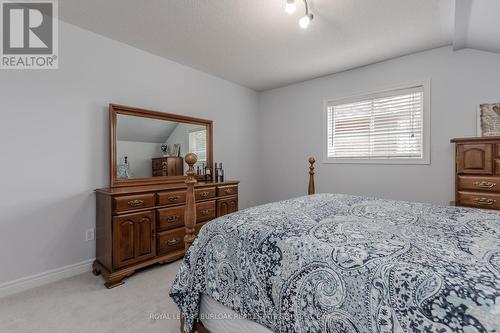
28,282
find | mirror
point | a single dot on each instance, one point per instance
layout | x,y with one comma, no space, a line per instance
148,147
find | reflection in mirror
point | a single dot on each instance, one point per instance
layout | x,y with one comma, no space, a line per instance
147,147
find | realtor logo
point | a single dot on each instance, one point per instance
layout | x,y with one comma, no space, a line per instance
29,34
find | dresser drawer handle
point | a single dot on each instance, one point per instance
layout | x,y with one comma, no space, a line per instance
485,201
485,184
205,212
173,218
135,203
204,194
172,242
228,190
174,198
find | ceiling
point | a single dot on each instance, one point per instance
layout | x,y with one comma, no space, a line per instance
141,129
256,44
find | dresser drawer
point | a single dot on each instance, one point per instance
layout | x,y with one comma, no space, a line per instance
205,211
204,193
227,190
171,218
133,202
170,241
479,200
479,183
171,198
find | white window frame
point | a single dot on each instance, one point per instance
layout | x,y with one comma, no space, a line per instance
194,130
426,135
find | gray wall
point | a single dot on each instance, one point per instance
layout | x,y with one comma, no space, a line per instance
292,126
54,146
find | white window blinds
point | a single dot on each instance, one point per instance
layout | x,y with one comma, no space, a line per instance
387,125
198,144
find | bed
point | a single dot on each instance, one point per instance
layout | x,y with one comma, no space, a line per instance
342,263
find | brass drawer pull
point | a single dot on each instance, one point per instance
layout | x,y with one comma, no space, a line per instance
485,184
174,198
172,242
173,218
204,194
485,201
228,190
205,212
135,203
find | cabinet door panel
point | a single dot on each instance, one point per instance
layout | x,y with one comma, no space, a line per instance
227,206
145,238
132,238
124,235
475,158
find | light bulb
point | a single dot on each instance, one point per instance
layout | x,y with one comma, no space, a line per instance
290,7
305,20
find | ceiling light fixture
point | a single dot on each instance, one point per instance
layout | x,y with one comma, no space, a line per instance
304,21
290,7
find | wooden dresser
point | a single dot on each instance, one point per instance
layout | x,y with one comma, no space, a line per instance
167,166
477,176
144,225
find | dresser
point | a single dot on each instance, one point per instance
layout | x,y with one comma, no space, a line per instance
167,166
144,225
477,175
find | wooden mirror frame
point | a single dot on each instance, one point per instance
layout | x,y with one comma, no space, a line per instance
115,110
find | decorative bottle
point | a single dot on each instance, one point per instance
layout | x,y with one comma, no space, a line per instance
208,174
221,173
216,174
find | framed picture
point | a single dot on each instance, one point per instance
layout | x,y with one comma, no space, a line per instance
488,120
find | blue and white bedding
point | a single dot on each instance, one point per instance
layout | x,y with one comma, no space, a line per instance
339,263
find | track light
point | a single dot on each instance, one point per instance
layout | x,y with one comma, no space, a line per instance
305,20
290,7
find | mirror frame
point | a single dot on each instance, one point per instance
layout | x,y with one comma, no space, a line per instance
115,110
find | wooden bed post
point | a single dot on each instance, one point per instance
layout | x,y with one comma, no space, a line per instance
189,223
190,212
311,176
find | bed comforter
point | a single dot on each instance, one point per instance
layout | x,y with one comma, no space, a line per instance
339,263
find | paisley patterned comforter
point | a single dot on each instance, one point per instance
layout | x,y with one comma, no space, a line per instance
338,263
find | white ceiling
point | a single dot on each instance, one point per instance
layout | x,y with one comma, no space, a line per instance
477,25
256,44
139,129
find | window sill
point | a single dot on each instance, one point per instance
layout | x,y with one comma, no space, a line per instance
377,161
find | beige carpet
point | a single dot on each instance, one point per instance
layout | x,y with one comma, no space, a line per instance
83,304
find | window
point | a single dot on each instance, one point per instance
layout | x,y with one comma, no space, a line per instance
198,143
387,127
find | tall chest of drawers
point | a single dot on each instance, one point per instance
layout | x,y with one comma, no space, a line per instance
144,225
477,175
